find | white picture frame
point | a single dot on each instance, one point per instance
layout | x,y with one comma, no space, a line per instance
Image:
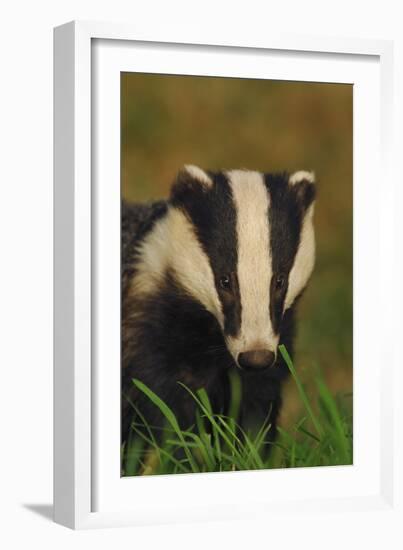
88,491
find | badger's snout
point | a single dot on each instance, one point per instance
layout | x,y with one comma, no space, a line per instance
256,359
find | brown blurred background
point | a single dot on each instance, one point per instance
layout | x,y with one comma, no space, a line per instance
218,123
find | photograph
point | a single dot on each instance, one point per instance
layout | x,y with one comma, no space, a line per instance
236,274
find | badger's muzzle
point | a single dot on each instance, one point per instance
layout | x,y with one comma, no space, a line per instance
256,359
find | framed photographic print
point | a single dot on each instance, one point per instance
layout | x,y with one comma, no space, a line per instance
219,227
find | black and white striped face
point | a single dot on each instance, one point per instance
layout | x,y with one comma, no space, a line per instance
242,244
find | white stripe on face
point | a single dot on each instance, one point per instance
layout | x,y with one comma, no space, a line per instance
172,244
304,260
252,203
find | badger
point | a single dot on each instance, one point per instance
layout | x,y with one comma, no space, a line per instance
210,281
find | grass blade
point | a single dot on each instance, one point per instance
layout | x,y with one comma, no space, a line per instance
301,390
169,415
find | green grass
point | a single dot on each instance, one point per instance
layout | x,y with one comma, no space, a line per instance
216,443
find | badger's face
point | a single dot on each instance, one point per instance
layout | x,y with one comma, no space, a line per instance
242,244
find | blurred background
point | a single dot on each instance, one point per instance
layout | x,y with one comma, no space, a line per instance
218,123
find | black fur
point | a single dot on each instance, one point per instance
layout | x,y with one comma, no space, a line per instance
173,338
288,205
213,216
136,221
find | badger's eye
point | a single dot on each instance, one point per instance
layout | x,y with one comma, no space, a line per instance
225,282
279,282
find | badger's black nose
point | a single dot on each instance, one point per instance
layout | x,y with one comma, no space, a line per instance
256,359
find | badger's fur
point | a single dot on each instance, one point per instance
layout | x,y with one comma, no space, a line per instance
210,279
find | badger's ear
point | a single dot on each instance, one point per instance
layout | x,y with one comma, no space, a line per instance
303,184
190,181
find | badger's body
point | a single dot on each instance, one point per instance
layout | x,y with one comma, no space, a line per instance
210,279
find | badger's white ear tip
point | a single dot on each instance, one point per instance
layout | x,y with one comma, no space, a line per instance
191,168
302,175
197,173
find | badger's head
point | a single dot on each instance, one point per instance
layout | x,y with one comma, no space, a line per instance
242,244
